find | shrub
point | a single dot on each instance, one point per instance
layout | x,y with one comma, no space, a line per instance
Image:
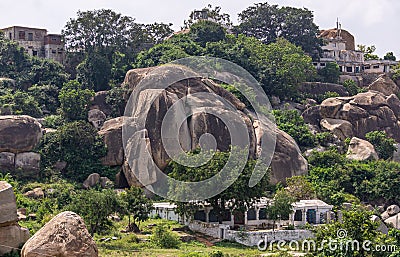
164,238
352,87
384,145
53,121
74,100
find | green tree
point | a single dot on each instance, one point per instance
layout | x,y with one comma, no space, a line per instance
293,123
95,71
300,188
389,56
269,22
213,14
352,87
138,206
207,31
19,102
78,144
95,207
239,194
368,52
74,101
330,73
281,206
384,145
46,96
164,238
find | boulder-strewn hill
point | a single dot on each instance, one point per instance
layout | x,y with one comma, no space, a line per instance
287,160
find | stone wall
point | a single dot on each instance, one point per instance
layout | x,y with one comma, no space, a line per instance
252,238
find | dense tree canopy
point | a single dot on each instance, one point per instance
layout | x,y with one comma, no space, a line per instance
269,22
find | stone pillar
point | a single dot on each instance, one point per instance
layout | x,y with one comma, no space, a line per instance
207,211
304,219
318,218
291,218
245,218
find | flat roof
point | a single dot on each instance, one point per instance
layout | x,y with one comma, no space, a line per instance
23,27
311,203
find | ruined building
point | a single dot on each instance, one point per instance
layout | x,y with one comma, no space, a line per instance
37,42
339,47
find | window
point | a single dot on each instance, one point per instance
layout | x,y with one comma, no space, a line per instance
322,64
53,51
262,215
21,35
10,35
298,215
227,216
200,215
367,67
375,67
349,69
251,214
212,216
30,36
34,53
53,39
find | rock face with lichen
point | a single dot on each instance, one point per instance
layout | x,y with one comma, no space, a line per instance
355,116
287,160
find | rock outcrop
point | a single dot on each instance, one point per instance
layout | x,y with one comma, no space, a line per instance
96,118
112,134
11,234
319,88
64,236
361,150
385,85
286,162
357,115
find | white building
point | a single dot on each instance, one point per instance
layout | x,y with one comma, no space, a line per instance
305,211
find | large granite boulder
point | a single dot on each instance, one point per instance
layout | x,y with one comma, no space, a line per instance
112,134
287,160
361,150
11,234
64,236
28,163
91,181
394,221
360,114
19,133
7,161
385,85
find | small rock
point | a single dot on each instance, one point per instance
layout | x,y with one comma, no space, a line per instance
35,193
361,150
91,181
393,210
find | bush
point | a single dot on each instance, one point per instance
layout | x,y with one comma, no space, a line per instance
79,145
384,145
164,238
292,123
75,101
330,73
352,87
53,121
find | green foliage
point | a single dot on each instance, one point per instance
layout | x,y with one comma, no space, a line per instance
358,226
281,206
95,71
300,188
46,96
389,56
368,52
330,73
76,143
213,14
324,138
293,123
203,32
74,101
95,207
268,22
383,145
239,193
116,98
18,103
164,238
53,121
352,87
160,54
138,206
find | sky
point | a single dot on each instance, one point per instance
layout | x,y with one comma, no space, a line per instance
372,22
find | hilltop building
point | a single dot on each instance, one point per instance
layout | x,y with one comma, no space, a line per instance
339,47
37,42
